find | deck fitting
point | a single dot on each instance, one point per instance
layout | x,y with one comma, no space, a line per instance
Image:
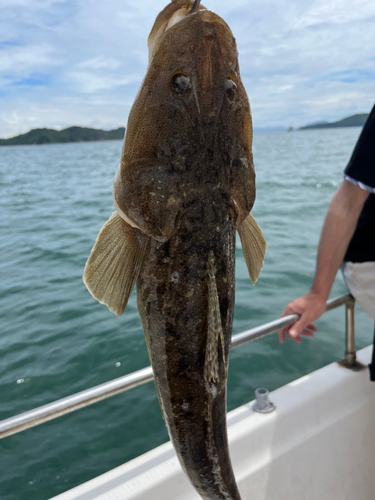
262,403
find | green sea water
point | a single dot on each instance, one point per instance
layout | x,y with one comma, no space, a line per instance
55,340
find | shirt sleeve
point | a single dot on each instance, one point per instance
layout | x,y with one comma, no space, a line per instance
359,184
361,166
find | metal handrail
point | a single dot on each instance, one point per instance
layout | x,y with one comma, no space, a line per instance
88,397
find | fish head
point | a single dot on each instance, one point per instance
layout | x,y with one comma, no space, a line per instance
191,116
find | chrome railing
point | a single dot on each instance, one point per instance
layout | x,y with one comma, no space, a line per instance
88,397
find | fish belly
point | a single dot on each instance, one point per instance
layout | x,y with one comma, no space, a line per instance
174,301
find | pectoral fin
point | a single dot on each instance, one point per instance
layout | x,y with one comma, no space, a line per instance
113,266
254,246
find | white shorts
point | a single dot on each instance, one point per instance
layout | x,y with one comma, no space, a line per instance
360,280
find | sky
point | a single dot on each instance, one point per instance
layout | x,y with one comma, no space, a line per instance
81,62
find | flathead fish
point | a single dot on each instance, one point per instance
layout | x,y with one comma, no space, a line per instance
185,185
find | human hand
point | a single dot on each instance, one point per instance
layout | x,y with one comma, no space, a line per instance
310,307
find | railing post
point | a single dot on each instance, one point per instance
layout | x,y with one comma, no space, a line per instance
350,354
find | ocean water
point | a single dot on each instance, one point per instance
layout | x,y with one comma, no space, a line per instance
55,340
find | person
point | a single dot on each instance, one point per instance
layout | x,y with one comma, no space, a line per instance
348,240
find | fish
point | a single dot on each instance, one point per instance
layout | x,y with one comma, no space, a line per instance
184,187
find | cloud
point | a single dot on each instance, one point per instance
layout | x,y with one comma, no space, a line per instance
17,61
338,12
89,82
100,63
65,62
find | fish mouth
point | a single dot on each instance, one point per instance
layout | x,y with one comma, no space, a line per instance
169,17
195,6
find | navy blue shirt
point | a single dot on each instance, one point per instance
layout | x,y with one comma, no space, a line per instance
361,171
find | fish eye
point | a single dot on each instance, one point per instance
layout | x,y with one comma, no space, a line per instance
231,89
181,85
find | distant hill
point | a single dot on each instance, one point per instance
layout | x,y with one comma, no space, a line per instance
350,121
71,134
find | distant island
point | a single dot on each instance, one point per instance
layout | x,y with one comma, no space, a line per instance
71,134
81,134
350,121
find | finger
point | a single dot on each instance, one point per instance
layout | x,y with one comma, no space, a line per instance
285,312
307,333
312,328
310,331
288,311
293,308
281,334
296,339
299,327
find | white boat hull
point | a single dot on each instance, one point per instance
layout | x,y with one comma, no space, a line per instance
319,444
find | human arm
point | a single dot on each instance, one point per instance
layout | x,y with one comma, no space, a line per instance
338,228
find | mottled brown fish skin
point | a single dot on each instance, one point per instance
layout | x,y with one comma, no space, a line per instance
173,301
187,181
